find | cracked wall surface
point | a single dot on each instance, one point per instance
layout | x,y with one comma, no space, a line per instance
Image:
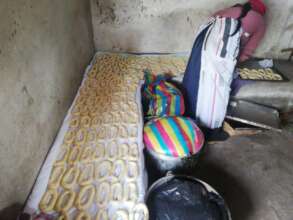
170,25
44,49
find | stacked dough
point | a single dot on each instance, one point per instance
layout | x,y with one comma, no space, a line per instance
95,175
259,74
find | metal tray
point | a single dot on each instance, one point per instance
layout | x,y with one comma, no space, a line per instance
253,64
253,114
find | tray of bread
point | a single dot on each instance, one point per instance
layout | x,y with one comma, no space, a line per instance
252,70
259,74
95,168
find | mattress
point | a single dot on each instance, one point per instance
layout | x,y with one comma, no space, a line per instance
95,168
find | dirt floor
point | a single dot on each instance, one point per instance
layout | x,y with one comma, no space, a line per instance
254,174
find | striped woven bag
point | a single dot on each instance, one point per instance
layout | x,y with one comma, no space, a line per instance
173,136
161,98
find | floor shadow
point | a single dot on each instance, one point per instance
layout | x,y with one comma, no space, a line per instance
234,192
236,195
11,212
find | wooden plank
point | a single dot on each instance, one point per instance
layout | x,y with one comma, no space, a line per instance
240,132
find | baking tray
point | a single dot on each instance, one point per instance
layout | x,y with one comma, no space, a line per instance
253,64
253,114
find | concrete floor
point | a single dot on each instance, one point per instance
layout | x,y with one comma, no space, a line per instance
254,175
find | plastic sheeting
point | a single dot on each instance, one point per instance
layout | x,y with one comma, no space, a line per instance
185,199
132,66
161,98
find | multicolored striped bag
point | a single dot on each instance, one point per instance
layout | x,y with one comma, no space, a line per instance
173,136
161,98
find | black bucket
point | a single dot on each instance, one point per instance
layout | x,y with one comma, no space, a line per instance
158,165
179,197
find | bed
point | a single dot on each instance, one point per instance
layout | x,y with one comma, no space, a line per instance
95,168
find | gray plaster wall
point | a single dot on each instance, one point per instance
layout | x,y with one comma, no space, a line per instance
170,25
45,46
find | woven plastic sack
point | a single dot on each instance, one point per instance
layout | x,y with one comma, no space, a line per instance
173,136
161,98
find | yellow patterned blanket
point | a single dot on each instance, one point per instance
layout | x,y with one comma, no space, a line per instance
95,169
